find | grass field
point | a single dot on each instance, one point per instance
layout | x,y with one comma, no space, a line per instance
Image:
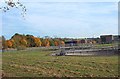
38,63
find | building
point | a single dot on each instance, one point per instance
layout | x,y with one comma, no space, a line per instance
116,38
106,39
83,41
71,43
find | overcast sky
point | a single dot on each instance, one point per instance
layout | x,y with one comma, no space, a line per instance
62,19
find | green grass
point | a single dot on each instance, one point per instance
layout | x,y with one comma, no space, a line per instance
40,64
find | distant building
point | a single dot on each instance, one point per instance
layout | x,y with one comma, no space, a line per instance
83,41
116,38
71,43
106,39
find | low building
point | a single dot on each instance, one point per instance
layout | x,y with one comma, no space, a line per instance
106,39
83,41
116,38
71,43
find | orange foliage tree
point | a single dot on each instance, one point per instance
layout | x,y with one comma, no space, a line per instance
23,42
13,43
18,40
37,41
46,43
56,43
62,43
9,43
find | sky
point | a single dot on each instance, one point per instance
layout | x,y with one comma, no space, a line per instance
62,19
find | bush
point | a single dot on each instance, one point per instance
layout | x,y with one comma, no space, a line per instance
21,47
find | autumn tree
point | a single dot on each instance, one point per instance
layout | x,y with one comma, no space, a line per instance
51,42
62,43
46,42
56,43
30,41
23,42
18,40
14,44
42,41
37,42
9,43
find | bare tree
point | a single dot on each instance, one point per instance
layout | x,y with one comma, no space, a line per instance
14,4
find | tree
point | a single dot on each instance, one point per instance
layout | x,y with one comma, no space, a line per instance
9,43
62,43
56,43
23,42
51,42
18,40
46,42
13,42
14,4
37,41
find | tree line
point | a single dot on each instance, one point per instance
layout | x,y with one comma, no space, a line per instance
23,41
